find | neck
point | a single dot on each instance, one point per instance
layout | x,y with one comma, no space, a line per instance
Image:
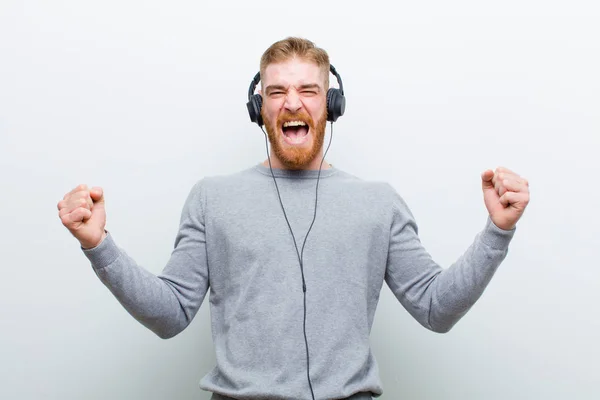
315,164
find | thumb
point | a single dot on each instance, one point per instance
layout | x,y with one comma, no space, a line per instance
486,179
98,217
97,194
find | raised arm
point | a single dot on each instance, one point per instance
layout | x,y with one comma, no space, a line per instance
164,303
439,297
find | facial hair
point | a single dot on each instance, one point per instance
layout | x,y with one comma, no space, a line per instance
296,157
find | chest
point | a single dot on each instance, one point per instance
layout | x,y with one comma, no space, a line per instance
251,239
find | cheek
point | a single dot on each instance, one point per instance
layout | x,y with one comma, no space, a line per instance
272,108
316,107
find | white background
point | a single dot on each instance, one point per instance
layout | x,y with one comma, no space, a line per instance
145,98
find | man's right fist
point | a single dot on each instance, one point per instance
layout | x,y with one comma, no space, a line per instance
82,213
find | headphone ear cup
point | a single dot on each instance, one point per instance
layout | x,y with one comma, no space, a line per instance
329,111
254,106
336,104
258,100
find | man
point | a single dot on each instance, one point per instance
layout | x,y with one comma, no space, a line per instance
295,253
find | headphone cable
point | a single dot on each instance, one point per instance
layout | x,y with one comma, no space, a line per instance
301,254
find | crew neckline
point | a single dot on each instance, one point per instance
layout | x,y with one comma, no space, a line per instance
296,174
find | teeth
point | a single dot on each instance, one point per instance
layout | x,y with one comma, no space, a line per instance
294,123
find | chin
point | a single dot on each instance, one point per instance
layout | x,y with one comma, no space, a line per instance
295,139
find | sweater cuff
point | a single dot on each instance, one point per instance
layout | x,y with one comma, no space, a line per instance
495,237
104,254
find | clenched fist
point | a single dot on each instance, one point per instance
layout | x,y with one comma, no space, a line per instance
506,195
82,213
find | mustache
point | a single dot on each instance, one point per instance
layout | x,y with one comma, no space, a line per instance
303,116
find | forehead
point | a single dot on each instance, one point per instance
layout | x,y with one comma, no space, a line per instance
292,72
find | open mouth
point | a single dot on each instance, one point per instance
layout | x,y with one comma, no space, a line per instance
295,132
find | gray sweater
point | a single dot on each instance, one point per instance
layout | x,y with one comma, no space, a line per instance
234,241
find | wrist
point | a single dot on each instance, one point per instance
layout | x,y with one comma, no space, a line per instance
91,245
502,225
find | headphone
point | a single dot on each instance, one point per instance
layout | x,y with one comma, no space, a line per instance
336,102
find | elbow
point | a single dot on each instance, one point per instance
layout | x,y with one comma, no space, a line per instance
442,328
443,323
443,319
168,331
164,330
166,334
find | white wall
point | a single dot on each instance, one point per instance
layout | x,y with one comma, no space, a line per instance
144,98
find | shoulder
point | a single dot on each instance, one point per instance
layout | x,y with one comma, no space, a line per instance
380,189
381,196
215,181
218,188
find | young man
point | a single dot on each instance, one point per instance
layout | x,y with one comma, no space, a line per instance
295,253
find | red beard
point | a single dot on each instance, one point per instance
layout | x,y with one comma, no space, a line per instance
296,157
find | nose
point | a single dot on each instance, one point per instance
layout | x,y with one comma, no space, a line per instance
292,101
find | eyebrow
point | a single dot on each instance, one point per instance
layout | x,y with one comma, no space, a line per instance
271,88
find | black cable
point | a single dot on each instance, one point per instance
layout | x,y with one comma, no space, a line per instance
301,254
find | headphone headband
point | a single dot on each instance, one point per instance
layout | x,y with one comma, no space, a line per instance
253,85
337,76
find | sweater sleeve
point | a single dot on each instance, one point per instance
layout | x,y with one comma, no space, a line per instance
165,303
439,297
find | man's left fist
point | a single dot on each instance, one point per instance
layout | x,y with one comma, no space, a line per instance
506,195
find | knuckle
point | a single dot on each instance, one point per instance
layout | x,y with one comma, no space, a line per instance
65,219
